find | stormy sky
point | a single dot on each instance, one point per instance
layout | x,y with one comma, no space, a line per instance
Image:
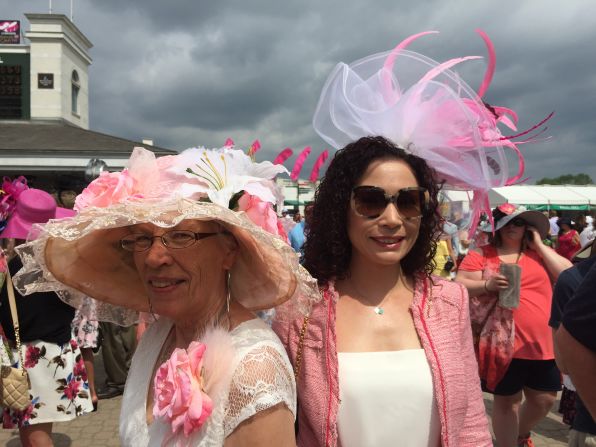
194,72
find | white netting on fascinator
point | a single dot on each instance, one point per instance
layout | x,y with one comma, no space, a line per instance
426,108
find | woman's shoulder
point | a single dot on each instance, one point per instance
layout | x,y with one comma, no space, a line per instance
253,334
262,377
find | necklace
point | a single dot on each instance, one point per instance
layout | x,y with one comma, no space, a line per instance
378,309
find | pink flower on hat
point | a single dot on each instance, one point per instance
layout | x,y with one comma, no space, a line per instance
178,390
109,188
262,214
507,208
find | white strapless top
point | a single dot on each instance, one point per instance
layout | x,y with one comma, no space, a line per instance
387,399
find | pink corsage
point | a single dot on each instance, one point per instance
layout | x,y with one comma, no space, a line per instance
507,208
179,393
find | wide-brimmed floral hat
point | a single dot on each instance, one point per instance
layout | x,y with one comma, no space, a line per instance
82,256
505,213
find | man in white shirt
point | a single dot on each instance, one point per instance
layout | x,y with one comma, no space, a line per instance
554,228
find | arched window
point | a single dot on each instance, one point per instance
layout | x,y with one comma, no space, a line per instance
76,86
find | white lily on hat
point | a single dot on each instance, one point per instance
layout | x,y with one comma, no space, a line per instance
222,173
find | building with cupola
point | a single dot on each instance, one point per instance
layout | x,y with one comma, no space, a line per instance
45,133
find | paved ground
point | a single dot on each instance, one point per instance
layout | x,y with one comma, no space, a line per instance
550,432
101,429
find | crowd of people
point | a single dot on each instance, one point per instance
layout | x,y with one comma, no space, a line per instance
387,321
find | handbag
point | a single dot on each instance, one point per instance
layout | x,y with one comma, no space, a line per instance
14,382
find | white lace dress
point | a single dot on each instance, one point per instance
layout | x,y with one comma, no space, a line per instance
262,378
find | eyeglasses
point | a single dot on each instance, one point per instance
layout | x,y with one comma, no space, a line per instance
517,222
174,239
371,201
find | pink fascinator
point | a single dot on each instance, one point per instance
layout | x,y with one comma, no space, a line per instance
427,109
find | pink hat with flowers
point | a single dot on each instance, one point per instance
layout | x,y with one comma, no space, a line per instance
33,206
223,185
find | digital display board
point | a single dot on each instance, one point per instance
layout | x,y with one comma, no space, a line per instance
10,31
10,92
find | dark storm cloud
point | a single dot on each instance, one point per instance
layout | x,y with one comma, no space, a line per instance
195,72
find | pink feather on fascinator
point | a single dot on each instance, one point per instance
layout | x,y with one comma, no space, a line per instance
299,163
254,147
283,156
426,108
314,174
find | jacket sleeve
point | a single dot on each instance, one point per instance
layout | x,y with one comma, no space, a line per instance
475,431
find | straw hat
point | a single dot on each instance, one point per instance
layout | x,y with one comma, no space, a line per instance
81,256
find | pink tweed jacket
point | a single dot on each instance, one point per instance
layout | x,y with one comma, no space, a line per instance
442,321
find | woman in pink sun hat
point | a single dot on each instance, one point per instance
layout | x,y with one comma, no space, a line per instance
192,240
59,387
34,206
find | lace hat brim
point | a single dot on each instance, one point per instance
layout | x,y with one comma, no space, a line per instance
81,257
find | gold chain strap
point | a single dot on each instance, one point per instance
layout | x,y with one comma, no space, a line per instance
15,318
300,348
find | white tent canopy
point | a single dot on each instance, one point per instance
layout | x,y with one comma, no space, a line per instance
546,196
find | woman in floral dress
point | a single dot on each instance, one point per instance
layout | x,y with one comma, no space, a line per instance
59,387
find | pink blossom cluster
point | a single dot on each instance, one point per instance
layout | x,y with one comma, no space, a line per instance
178,390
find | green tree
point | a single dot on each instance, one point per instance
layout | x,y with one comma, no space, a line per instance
567,179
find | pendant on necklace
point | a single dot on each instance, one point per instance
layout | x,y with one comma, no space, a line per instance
379,310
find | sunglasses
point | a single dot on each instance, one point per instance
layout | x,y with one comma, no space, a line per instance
517,222
371,201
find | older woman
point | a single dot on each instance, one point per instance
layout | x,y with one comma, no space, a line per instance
207,372
513,340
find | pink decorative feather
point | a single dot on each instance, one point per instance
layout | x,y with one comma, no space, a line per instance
492,63
283,156
534,127
388,87
254,147
218,360
314,174
299,163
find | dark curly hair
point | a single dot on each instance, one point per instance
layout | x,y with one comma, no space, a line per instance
328,250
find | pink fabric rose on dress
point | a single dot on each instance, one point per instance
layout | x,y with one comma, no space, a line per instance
107,189
178,390
262,214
